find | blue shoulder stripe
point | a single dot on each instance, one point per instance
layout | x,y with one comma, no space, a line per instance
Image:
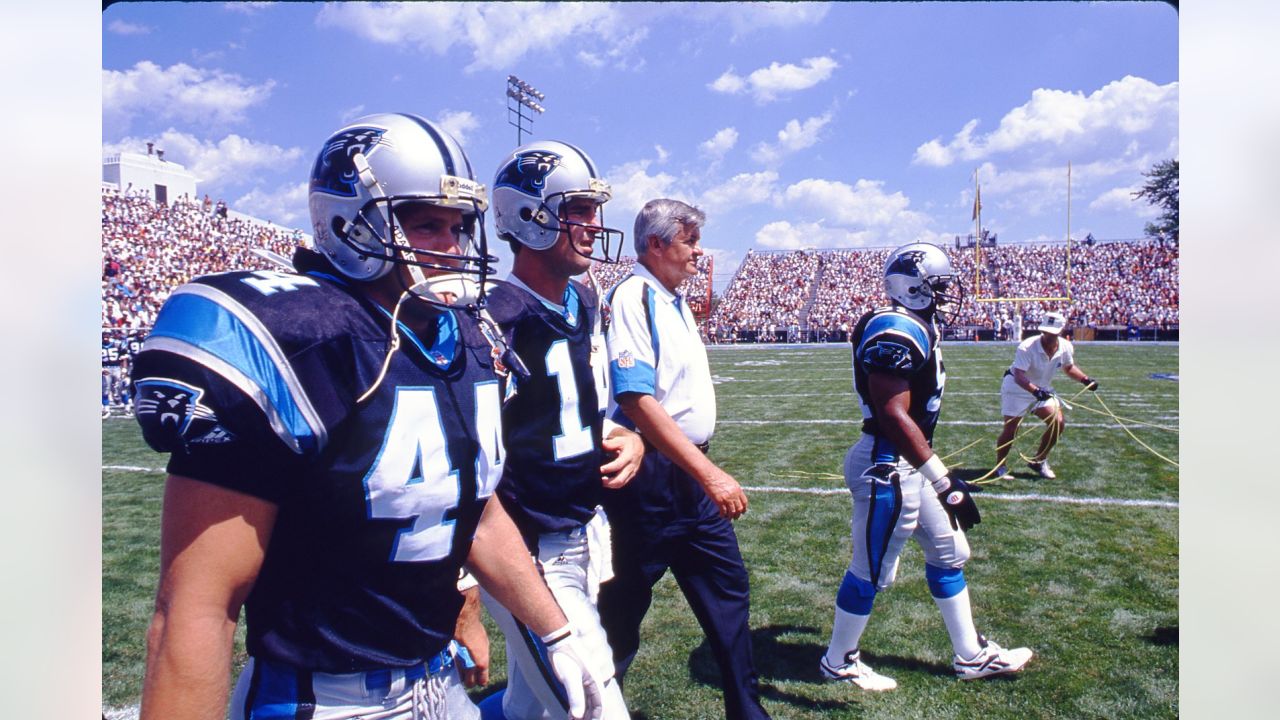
209,327
651,314
899,325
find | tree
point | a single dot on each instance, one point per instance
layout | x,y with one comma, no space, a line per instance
1161,189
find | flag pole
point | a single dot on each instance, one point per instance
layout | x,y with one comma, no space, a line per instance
977,235
1068,293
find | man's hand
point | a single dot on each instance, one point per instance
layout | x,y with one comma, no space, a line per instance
1090,384
568,662
1042,395
470,634
957,499
627,451
726,493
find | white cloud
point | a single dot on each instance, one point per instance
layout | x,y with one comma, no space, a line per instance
747,18
233,160
177,93
458,123
120,27
246,8
1121,199
862,204
793,137
286,205
728,83
1126,107
720,143
662,154
1043,190
498,35
352,113
767,83
741,189
785,236
633,186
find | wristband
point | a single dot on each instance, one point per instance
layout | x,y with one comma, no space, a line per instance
556,636
466,580
933,470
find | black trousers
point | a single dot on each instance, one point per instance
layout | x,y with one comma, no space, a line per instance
662,520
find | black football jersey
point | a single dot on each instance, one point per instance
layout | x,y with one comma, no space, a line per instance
896,341
551,419
112,353
251,381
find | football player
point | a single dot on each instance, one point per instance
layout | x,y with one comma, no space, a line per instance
900,487
335,438
547,199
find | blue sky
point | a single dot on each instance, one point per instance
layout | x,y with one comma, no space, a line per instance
791,124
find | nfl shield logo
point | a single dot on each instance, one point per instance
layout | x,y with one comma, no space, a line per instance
625,360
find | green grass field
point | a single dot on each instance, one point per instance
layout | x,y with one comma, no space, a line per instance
1083,569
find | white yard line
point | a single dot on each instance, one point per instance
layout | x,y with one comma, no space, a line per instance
1012,497
978,423
984,496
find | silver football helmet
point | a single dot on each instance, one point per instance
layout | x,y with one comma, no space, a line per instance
919,277
532,184
372,167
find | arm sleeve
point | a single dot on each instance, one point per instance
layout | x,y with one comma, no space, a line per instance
631,341
893,345
211,430
1022,359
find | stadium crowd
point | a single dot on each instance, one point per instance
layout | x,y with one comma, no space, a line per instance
1115,284
150,248
695,289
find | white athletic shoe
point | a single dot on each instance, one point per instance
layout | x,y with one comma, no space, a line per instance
1043,469
857,672
991,660
1002,473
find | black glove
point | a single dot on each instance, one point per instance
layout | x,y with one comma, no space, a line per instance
1090,383
1042,394
957,499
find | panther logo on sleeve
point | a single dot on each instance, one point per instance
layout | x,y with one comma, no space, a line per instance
886,355
171,414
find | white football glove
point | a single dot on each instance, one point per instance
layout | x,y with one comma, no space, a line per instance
568,662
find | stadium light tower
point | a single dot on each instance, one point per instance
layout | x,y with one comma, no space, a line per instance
521,95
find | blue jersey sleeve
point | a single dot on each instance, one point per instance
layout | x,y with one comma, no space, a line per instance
893,344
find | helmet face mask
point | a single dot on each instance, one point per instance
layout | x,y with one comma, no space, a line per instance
919,277
367,173
531,189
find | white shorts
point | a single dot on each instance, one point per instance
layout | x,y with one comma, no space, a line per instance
1016,402
565,561
390,694
885,516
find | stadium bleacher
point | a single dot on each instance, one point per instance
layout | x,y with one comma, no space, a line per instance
1120,289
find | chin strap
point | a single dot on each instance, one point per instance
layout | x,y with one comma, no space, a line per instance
395,345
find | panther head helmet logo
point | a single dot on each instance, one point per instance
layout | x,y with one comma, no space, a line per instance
528,171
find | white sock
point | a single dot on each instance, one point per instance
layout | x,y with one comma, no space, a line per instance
958,617
846,632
